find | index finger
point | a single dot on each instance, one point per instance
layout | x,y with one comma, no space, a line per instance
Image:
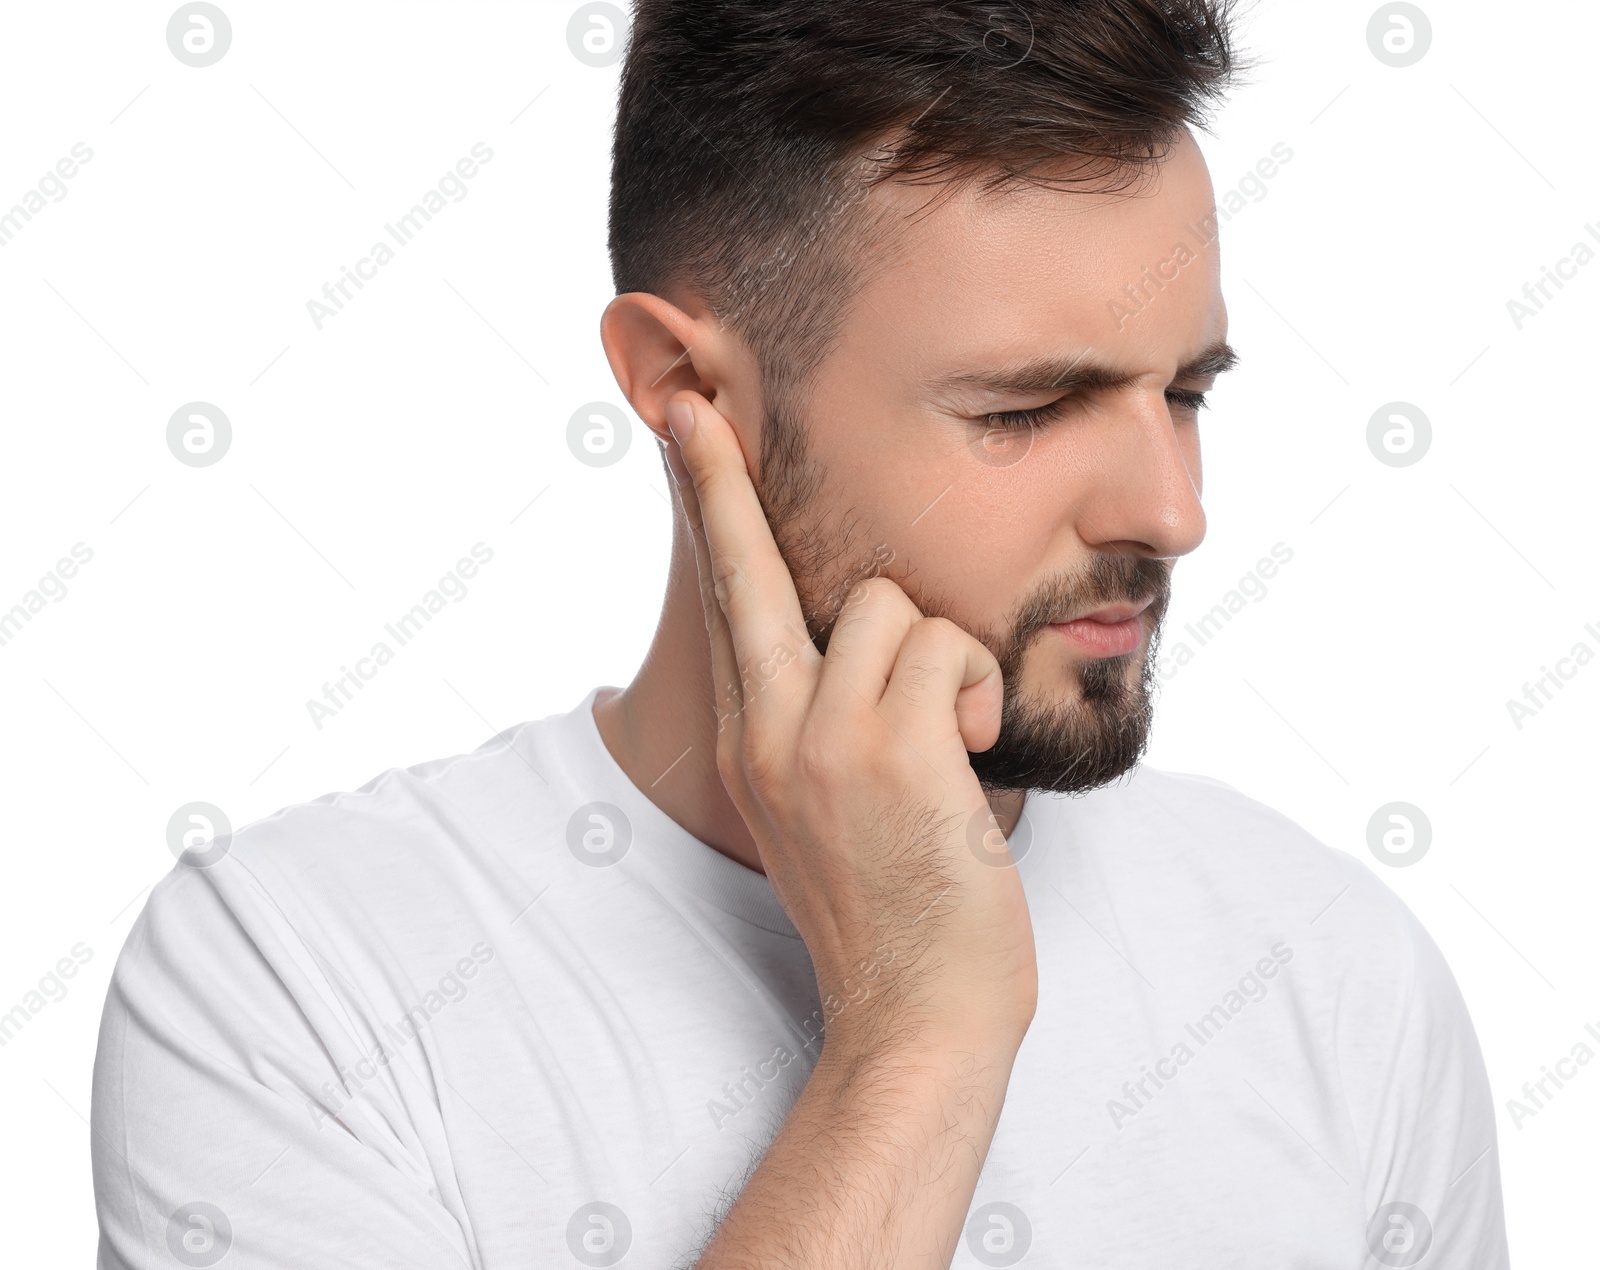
751,581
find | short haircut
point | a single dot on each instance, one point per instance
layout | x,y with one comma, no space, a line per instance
749,131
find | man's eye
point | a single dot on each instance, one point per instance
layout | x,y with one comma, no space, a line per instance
1026,420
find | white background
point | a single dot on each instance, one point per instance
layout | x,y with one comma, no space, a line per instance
431,414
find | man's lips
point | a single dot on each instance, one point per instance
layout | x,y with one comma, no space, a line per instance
1113,630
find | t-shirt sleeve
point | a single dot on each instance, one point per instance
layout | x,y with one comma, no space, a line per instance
223,1128
1424,1115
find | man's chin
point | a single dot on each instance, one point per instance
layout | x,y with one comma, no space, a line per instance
1096,733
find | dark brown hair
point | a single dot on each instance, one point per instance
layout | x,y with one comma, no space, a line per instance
749,131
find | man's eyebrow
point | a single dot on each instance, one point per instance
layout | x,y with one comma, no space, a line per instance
1051,374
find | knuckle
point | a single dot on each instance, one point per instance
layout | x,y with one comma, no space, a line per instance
879,589
928,649
933,642
914,679
815,756
940,632
880,596
703,477
724,574
759,760
870,602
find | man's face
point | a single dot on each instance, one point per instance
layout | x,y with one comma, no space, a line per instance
1012,533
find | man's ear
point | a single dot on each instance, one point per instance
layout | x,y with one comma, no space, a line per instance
656,348
652,347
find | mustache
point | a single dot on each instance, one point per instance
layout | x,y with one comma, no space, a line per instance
1108,578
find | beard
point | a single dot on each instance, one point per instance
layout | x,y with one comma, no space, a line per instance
1072,746
1068,746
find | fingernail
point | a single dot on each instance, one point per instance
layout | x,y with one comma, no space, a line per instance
680,420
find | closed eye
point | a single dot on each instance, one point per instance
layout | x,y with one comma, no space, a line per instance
1024,420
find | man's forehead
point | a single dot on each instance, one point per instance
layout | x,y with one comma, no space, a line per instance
1019,291
1033,246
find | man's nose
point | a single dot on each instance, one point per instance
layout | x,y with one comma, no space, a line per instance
1145,493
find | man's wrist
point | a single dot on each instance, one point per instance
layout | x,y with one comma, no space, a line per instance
921,1065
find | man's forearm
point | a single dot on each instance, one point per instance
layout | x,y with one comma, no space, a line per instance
875,1165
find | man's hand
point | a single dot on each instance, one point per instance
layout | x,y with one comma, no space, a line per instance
851,770
851,773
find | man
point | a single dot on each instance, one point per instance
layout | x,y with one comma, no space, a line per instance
852,933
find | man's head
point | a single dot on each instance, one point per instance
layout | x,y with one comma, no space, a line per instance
950,270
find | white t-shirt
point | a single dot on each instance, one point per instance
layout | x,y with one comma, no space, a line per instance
500,1011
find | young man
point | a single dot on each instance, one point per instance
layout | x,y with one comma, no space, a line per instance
851,933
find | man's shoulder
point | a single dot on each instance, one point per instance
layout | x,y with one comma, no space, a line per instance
411,866
1196,837
1183,807
414,829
